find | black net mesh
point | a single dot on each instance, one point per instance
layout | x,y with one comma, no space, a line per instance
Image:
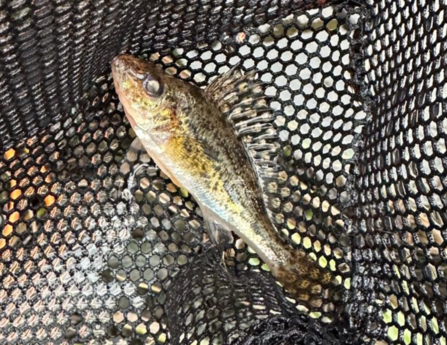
359,92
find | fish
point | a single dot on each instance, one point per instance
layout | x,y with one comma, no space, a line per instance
218,143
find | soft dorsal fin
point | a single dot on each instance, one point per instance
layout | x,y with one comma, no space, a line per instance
243,103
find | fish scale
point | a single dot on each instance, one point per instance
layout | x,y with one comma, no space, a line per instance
201,139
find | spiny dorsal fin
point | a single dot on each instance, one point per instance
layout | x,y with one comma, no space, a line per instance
243,103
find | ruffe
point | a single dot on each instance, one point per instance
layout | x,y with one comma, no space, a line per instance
217,143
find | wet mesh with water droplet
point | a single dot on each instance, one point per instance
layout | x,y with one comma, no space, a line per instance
359,97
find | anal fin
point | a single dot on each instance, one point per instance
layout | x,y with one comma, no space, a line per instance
219,233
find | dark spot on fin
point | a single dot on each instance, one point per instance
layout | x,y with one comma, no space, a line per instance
243,103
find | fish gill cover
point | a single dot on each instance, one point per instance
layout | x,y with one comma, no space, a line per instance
359,99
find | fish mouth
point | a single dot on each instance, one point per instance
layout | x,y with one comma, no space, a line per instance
125,66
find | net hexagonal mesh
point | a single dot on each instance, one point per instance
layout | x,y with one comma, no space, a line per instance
358,89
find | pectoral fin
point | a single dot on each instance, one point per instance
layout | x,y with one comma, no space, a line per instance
141,151
137,152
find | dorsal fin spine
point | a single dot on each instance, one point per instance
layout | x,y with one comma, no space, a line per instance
243,103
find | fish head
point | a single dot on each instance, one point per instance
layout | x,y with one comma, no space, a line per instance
143,89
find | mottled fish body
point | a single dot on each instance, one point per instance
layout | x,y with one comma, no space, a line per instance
195,137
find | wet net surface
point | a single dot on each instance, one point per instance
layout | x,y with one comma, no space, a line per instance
359,93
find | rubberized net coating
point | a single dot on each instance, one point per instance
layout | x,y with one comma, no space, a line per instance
358,89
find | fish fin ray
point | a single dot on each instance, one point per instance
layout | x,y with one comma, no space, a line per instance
220,234
136,152
207,151
243,103
136,155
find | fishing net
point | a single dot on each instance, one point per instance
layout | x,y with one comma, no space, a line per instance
358,90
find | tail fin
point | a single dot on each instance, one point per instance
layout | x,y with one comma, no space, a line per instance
303,278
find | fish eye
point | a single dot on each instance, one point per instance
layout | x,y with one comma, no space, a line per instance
153,87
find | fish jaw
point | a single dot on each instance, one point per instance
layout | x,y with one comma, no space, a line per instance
122,82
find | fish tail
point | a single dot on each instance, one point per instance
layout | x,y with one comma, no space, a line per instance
303,278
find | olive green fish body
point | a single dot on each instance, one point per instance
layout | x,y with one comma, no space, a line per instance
202,154
184,131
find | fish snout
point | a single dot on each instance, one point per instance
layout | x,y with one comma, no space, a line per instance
120,63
